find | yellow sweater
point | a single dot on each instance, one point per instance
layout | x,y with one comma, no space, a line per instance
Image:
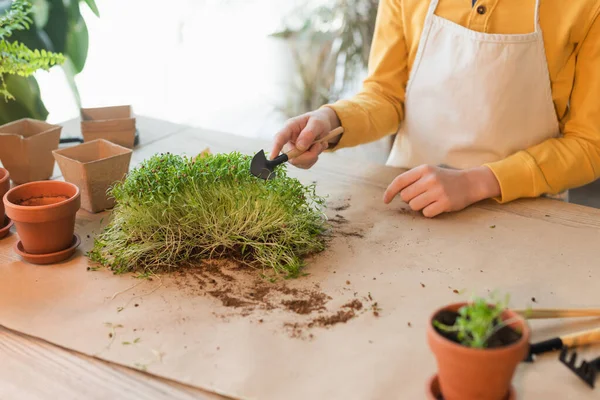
571,30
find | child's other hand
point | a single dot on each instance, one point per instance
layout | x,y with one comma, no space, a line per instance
435,190
301,132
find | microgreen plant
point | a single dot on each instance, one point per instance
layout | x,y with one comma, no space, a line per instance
173,210
477,321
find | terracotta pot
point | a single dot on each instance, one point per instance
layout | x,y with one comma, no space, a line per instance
115,124
94,167
4,187
26,149
477,374
44,214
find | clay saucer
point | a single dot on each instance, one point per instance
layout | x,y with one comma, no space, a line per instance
434,393
52,258
5,227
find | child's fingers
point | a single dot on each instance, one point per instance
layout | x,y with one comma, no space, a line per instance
434,209
288,133
309,158
307,136
422,200
402,181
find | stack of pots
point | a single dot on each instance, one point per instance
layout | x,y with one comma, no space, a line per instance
115,124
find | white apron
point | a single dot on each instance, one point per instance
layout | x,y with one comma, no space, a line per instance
474,97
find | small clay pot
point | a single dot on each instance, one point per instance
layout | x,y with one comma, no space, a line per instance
44,214
477,374
26,149
4,187
94,167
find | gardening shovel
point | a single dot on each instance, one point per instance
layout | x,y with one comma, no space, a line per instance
263,168
590,336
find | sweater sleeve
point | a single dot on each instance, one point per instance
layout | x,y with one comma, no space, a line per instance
376,111
569,161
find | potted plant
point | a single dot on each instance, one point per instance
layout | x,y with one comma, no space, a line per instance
5,222
94,167
477,346
115,124
26,149
44,215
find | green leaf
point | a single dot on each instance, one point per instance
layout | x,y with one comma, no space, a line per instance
40,9
28,103
92,5
59,24
76,47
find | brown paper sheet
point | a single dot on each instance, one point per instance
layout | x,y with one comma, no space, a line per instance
409,265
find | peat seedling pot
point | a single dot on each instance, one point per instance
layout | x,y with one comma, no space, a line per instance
26,149
44,215
5,222
115,124
466,373
93,167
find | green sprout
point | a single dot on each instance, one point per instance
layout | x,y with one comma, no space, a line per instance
173,210
477,321
15,57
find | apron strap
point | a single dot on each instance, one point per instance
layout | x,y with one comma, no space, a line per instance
536,22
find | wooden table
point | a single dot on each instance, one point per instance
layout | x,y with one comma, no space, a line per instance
34,369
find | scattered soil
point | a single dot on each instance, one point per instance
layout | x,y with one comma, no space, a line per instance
339,317
242,293
503,337
340,220
353,234
343,207
314,303
42,201
354,304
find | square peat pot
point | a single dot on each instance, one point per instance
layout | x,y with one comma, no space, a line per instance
94,167
115,124
26,147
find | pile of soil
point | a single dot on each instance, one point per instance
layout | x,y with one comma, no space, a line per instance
238,288
503,337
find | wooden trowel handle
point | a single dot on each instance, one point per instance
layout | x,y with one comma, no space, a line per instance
294,152
591,336
542,313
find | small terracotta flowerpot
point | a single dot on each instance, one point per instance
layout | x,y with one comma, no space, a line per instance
4,187
44,214
115,124
5,222
94,167
26,149
484,374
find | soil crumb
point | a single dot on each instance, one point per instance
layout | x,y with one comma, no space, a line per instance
354,304
314,303
352,234
339,317
343,207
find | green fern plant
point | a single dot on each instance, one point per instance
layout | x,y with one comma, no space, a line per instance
15,57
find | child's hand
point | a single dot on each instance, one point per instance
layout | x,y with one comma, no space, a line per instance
301,132
436,190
